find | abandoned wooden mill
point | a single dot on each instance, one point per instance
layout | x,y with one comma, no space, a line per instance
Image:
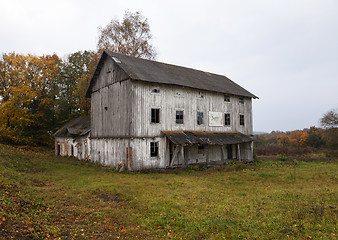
152,115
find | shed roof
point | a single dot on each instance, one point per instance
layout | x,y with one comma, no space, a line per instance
182,137
162,73
78,127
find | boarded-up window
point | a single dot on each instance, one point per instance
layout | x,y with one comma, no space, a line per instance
216,119
179,116
241,120
227,119
153,149
155,115
200,118
226,98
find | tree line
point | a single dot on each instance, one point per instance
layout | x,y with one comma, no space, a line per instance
313,137
39,94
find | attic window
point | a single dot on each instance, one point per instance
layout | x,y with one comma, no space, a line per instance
155,90
241,100
178,94
200,95
226,98
116,59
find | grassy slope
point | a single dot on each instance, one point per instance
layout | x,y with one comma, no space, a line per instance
44,196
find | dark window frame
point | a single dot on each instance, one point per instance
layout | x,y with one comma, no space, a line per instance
226,98
227,120
153,149
241,120
200,118
155,115
241,100
179,117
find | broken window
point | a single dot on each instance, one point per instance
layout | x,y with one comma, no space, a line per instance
200,118
227,119
226,98
200,149
241,120
179,116
155,115
155,90
241,100
153,149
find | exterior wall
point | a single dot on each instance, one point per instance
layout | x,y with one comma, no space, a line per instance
110,103
65,146
172,98
81,147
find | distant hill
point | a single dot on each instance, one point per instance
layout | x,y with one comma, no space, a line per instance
259,133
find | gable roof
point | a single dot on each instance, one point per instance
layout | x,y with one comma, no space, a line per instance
162,73
78,127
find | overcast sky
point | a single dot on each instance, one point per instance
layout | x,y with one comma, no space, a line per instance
285,51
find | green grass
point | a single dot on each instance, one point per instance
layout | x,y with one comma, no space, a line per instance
44,196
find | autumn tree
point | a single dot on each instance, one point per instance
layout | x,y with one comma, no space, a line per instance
28,93
298,138
131,36
330,119
75,72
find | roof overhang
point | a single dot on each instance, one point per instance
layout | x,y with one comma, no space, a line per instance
187,138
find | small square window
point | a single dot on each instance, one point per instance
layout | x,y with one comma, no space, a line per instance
241,120
155,115
200,118
179,116
241,100
226,98
153,149
227,119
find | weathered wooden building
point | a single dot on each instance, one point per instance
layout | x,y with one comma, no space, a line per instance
155,115
73,139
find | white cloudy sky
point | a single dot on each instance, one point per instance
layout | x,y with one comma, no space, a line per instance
284,51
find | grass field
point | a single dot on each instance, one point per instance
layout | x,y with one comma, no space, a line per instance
44,196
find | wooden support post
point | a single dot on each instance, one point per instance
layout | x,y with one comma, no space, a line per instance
239,152
223,153
207,154
182,155
251,151
174,155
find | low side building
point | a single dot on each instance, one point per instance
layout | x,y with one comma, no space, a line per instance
73,139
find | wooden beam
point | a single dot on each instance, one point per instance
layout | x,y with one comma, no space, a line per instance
182,155
239,152
174,155
223,153
207,154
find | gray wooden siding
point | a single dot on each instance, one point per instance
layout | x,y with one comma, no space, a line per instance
111,103
172,98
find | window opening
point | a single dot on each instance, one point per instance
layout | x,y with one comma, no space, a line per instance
241,100
179,116
227,119
241,120
226,98
200,149
153,149
200,118
155,90
155,115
